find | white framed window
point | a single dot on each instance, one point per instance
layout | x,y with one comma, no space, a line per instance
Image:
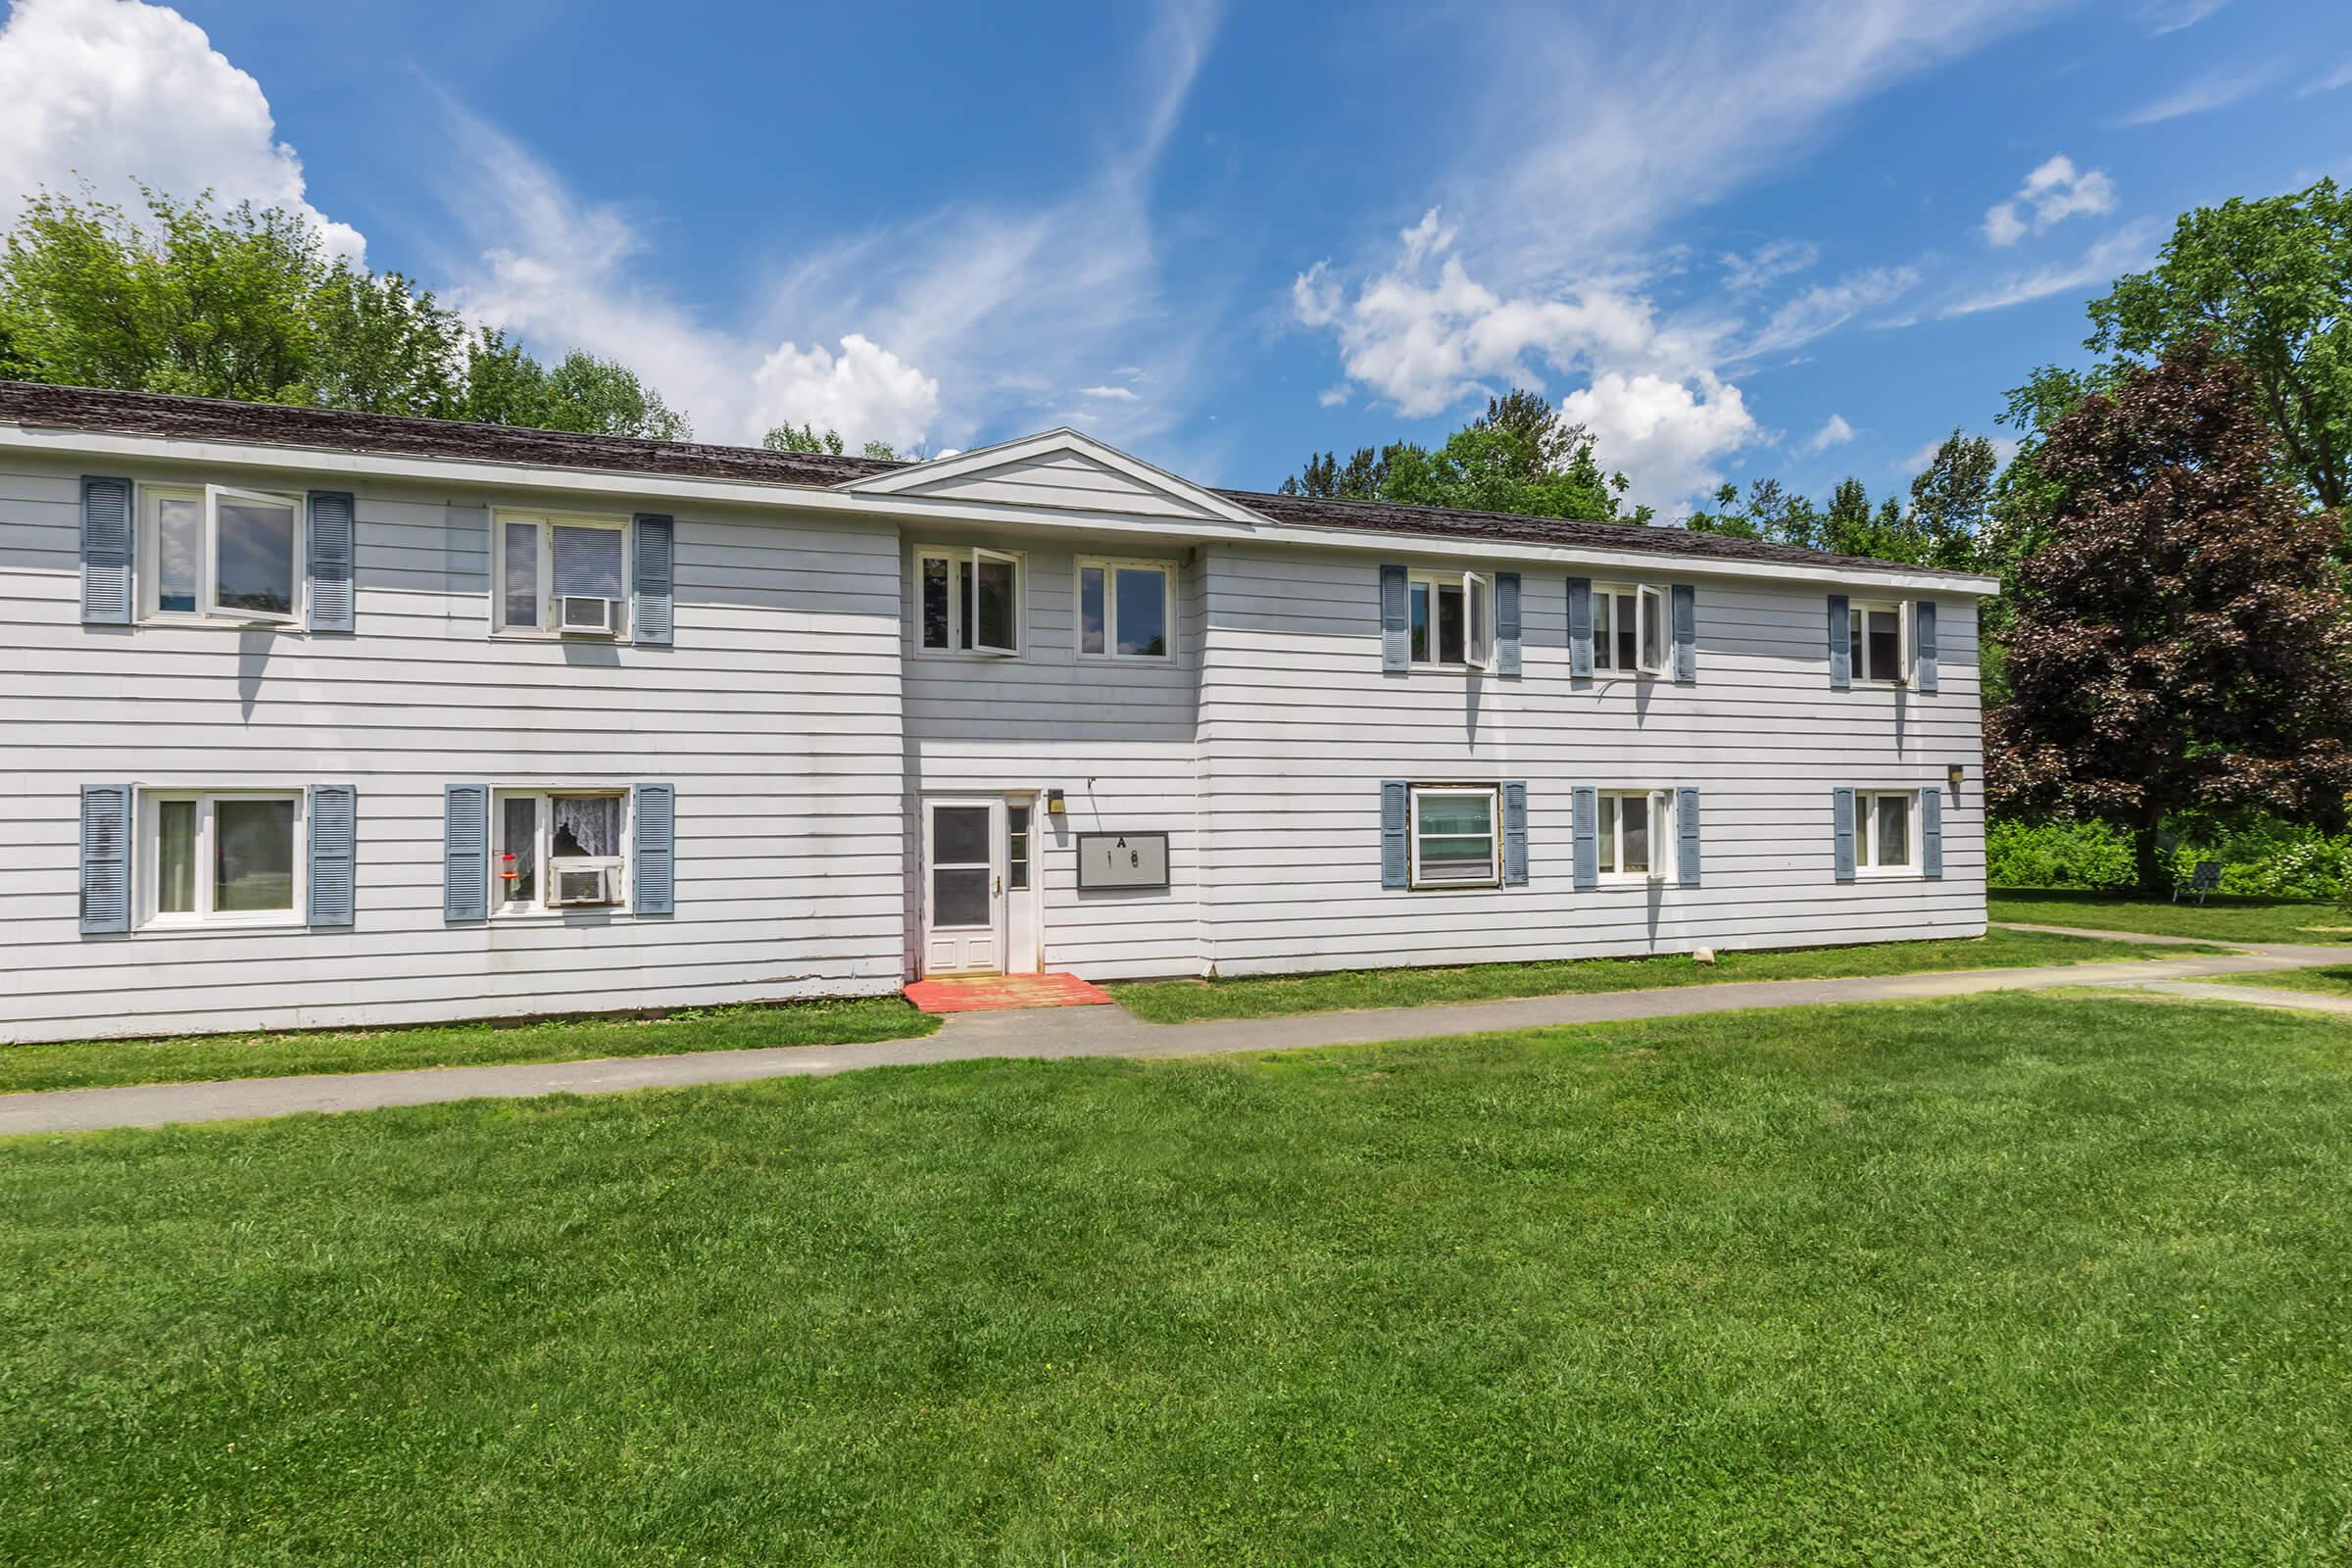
1635,834
969,600
1886,832
1629,628
220,858
1452,619
213,554
1879,634
554,849
1455,836
1126,608
560,574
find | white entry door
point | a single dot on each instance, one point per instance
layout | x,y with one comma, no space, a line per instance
964,885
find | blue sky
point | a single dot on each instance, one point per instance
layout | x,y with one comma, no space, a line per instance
1737,239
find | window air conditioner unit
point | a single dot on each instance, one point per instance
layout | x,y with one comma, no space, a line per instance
582,886
584,614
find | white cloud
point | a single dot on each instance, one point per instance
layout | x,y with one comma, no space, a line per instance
1834,432
111,91
1330,397
2214,90
1825,308
1643,117
2340,76
1767,264
953,326
2121,251
2170,15
2053,192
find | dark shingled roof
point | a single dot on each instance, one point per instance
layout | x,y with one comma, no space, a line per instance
74,408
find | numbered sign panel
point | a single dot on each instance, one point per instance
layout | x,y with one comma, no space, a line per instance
1107,860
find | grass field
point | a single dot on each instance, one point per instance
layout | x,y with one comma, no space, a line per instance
2011,1279
2329,979
1263,997
92,1063
2219,919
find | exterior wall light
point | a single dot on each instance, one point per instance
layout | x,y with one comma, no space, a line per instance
1055,806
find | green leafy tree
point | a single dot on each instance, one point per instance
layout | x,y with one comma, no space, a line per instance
1518,456
245,303
789,437
1952,502
2266,283
2179,639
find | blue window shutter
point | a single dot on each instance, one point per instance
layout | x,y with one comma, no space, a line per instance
1514,834
652,620
334,850
466,851
1686,631
1685,834
1585,819
332,521
105,859
1841,643
1923,643
1931,832
1842,827
1580,627
657,850
107,540
1395,867
1395,622
1507,623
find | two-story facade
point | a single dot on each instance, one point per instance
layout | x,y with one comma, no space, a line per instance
318,719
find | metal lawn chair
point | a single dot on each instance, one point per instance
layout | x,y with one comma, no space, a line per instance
2203,880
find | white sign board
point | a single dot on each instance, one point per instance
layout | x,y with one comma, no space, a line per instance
1107,860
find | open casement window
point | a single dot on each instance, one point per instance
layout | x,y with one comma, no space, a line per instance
560,575
1126,608
1455,831
1886,832
1451,616
1628,629
968,600
220,858
558,849
1636,841
219,554
1879,634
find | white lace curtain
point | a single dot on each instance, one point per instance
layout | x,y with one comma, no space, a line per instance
586,824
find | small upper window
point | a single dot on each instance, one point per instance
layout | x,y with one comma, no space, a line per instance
1634,829
559,849
1452,619
1125,608
215,553
1453,836
226,857
1884,824
1628,629
561,575
1881,641
968,600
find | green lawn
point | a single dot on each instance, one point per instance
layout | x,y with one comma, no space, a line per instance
2013,1279
1263,997
90,1063
2329,979
2219,919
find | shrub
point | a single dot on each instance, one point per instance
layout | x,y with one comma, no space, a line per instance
2057,855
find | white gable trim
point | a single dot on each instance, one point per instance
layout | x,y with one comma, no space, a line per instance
1187,499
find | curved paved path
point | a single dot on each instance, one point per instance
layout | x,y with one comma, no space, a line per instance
1110,1032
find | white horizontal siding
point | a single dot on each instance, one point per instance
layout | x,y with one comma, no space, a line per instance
1300,725
1067,480
777,713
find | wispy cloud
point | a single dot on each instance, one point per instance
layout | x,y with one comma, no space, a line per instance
2340,76
2214,90
2170,15
1645,117
2119,251
2052,192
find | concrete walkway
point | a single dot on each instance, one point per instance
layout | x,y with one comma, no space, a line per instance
1105,1031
